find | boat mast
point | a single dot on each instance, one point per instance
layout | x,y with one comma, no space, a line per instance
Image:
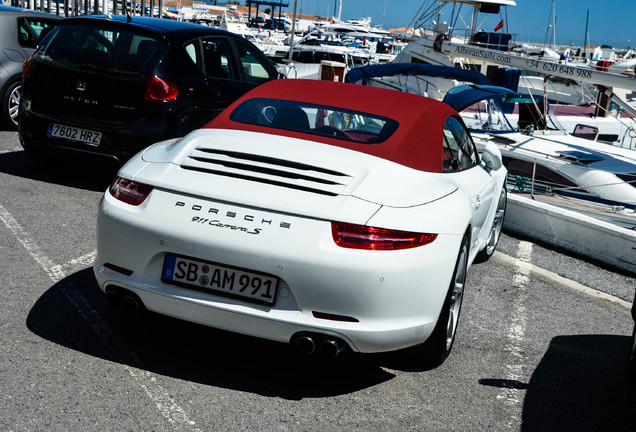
337,6
293,30
585,41
553,25
383,13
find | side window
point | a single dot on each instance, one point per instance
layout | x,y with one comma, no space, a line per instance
217,62
458,147
32,30
253,68
193,51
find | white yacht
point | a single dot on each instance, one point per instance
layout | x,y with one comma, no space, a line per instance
539,154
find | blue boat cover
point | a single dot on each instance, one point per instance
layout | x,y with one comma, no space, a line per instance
391,69
463,96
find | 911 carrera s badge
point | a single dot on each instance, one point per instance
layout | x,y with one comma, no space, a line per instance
230,217
219,224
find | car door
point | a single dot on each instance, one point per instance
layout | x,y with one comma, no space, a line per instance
223,80
231,67
255,68
461,161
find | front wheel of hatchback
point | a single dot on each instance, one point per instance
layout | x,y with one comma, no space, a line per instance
11,105
438,346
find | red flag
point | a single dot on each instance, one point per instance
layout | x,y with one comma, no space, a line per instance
499,26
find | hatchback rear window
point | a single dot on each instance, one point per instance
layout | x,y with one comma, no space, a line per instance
314,119
102,48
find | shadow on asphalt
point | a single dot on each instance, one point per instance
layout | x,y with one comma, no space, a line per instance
581,384
74,175
74,313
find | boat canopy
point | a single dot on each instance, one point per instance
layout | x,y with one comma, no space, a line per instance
461,97
416,69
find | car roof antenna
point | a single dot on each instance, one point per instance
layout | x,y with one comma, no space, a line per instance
128,17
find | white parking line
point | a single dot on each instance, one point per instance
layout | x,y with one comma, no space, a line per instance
515,333
166,405
13,150
555,279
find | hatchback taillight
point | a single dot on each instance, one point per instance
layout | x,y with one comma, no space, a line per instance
364,237
161,89
26,68
129,191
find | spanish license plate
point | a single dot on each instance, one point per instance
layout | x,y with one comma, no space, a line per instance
85,136
220,279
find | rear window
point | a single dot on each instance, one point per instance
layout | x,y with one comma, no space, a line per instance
102,48
320,120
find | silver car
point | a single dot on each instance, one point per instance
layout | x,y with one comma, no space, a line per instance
21,30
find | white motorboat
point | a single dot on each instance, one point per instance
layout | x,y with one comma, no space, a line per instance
538,153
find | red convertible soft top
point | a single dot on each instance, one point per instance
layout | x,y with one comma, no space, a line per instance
416,142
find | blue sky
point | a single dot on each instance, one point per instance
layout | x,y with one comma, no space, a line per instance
612,22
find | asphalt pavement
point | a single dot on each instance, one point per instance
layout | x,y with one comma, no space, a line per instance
542,343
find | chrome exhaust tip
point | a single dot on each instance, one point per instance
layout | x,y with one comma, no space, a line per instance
331,347
130,303
306,345
113,297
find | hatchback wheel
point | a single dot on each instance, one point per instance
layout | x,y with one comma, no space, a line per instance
11,105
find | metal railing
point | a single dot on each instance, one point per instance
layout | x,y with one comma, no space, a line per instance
90,7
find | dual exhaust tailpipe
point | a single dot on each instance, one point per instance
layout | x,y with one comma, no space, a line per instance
122,297
322,344
306,343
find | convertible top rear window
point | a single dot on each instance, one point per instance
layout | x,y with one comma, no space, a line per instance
320,120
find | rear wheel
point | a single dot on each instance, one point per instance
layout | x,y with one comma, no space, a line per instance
495,230
438,346
11,105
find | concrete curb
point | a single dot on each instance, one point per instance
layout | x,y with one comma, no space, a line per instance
572,231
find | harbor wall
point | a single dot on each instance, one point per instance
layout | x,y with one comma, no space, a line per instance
575,232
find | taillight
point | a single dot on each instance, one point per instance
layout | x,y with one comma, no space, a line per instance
364,237
26,68
128,191
161,89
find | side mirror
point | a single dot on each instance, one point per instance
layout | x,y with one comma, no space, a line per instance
492,157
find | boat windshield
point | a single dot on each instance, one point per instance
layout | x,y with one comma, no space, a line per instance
508,115
486,115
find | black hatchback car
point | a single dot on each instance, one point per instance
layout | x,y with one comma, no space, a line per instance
108,86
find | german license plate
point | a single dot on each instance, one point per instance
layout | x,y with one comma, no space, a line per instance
220,279
85,136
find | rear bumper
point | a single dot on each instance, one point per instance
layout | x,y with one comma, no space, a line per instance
118,143
394,297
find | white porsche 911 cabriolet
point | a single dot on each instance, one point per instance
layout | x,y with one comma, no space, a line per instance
323,214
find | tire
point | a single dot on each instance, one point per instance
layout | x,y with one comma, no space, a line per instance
632,358
11,105
438,346
495,230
